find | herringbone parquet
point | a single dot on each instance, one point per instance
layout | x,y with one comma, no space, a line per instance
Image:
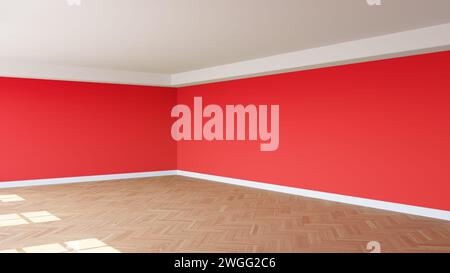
178,214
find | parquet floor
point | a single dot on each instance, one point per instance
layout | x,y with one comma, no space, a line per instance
179,214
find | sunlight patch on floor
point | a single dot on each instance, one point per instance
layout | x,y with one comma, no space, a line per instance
9,251
48,248
91,245
40,216
11,220
10,198
15,219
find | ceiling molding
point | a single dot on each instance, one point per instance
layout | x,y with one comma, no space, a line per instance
83,74
429,39
421,40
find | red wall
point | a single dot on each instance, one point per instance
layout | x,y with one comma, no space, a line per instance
63,129
378,130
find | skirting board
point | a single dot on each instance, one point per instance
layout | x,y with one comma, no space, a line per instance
371,203
82,179
365,202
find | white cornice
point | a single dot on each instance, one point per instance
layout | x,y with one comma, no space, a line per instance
411,42
84,74
429,39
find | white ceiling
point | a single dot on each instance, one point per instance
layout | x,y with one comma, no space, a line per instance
172,36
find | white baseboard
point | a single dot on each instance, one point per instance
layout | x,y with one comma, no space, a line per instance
82,179
371,203
365,202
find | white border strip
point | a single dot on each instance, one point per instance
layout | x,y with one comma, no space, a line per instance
408,209
429,39
83,179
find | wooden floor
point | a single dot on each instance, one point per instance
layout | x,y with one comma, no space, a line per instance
178,214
